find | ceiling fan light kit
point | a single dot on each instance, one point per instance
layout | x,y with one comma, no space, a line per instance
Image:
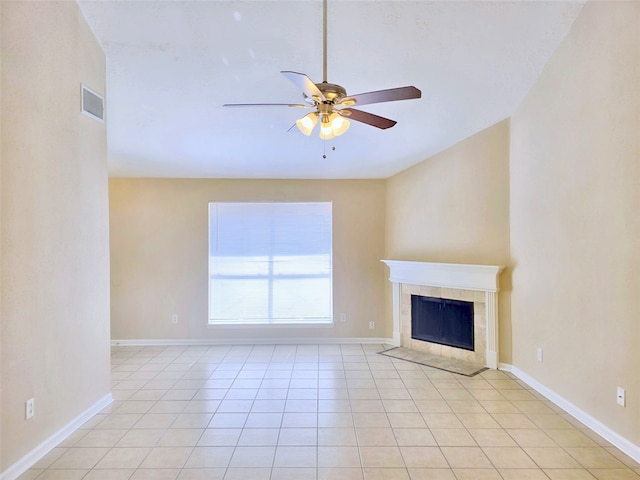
332,125
307,123
339,124
331,102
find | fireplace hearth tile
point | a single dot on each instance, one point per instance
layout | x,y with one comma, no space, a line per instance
434,361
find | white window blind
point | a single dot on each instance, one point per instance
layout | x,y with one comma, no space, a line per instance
270,263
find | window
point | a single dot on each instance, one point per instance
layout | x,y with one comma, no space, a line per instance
270,263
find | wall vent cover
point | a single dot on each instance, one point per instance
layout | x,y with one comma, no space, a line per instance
92,104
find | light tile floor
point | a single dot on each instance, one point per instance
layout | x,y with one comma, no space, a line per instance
322,412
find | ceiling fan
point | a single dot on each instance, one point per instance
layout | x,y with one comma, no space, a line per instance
330,103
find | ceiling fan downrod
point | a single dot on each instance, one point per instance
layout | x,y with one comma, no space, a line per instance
324,41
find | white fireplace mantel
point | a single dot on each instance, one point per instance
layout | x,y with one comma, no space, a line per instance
484,278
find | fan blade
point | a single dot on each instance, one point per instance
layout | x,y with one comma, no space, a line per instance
391,95
368,118
305,84
296,105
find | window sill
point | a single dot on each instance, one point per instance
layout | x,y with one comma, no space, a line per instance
328,324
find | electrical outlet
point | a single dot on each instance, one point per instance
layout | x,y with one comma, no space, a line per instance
30,408
372,325
540,354
174,318
343,317
620,396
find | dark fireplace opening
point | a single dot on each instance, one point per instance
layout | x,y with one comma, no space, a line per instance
442,321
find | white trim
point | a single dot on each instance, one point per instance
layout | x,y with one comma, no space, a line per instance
617,440
268,326
31,458
491,317
448,275
397,315
147,342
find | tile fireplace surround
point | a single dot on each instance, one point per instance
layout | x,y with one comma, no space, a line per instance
473,283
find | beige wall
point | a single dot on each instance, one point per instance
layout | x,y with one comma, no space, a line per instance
1,409
159,245
575,226
54,218
454,208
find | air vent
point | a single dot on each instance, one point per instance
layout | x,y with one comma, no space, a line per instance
92,104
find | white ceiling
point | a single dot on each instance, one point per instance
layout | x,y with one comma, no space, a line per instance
172,64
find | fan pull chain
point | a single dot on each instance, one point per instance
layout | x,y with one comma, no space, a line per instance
324,149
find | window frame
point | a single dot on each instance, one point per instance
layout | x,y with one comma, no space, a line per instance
271,278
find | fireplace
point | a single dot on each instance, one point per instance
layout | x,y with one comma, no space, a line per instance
476,284
442,321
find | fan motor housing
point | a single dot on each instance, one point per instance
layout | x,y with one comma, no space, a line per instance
331,91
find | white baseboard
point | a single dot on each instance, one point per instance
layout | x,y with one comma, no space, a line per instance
143,342
617,440
31,458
